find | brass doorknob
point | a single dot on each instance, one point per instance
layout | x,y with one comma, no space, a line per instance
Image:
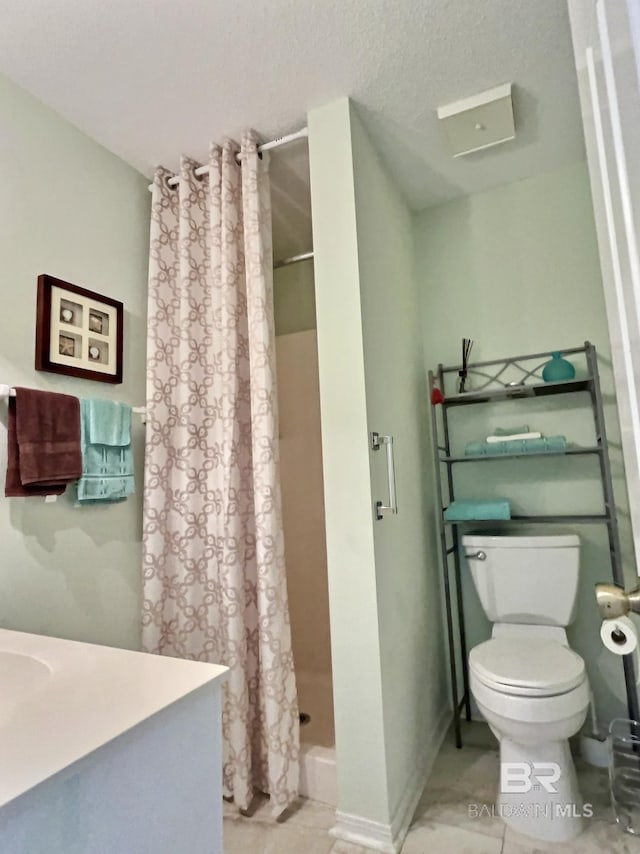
613,601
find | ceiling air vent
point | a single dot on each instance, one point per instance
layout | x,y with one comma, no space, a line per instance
478,122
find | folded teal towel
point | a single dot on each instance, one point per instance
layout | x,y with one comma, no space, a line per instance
109,422
548,445
107,467
510,431
487,508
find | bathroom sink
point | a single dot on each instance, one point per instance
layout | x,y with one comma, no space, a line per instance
20,676
88,730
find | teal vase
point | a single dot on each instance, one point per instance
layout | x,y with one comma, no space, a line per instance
558,369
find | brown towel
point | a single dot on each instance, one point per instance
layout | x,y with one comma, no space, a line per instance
43,439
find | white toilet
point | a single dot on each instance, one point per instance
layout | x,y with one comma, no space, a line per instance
531,688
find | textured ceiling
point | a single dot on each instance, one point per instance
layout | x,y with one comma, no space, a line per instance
152,78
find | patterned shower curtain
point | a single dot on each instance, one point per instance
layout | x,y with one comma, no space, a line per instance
213,549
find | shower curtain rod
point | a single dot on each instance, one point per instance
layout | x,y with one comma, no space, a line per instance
295,259
266,146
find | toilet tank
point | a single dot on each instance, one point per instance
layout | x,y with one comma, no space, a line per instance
531,579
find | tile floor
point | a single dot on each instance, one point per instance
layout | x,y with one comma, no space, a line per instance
441,824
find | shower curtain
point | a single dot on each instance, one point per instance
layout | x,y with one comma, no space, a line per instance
213,549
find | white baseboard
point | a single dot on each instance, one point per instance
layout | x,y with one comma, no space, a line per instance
407,804
388,838
364,831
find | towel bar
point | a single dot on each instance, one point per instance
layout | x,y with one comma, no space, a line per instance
8,391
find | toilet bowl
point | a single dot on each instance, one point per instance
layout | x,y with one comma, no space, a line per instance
531,688
539,687
533,720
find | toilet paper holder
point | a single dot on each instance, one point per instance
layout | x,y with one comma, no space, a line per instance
613,601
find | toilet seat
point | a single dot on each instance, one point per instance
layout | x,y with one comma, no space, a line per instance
526,667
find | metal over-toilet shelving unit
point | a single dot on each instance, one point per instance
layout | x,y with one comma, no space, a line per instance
513,378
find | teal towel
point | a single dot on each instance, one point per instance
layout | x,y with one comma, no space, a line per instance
550,444
107,468
489,508
511,431
108,422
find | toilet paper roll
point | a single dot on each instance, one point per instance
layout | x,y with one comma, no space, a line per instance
620,636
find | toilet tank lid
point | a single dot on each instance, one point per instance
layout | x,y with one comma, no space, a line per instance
504,541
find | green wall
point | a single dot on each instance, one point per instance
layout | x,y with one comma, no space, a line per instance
412,649
71,209
386,623
517,270
294,298
355,638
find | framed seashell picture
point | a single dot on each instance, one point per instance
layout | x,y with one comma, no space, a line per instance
78,332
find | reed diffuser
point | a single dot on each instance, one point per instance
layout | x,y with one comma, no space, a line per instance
467,344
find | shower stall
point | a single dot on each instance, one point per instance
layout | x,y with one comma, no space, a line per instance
304,525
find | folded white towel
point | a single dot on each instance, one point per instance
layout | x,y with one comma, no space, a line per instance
514,437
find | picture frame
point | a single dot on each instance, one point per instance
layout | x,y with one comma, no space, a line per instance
78,332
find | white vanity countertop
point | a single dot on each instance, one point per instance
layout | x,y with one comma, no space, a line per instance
60,700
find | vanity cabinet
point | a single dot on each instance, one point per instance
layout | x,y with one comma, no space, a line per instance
107,751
